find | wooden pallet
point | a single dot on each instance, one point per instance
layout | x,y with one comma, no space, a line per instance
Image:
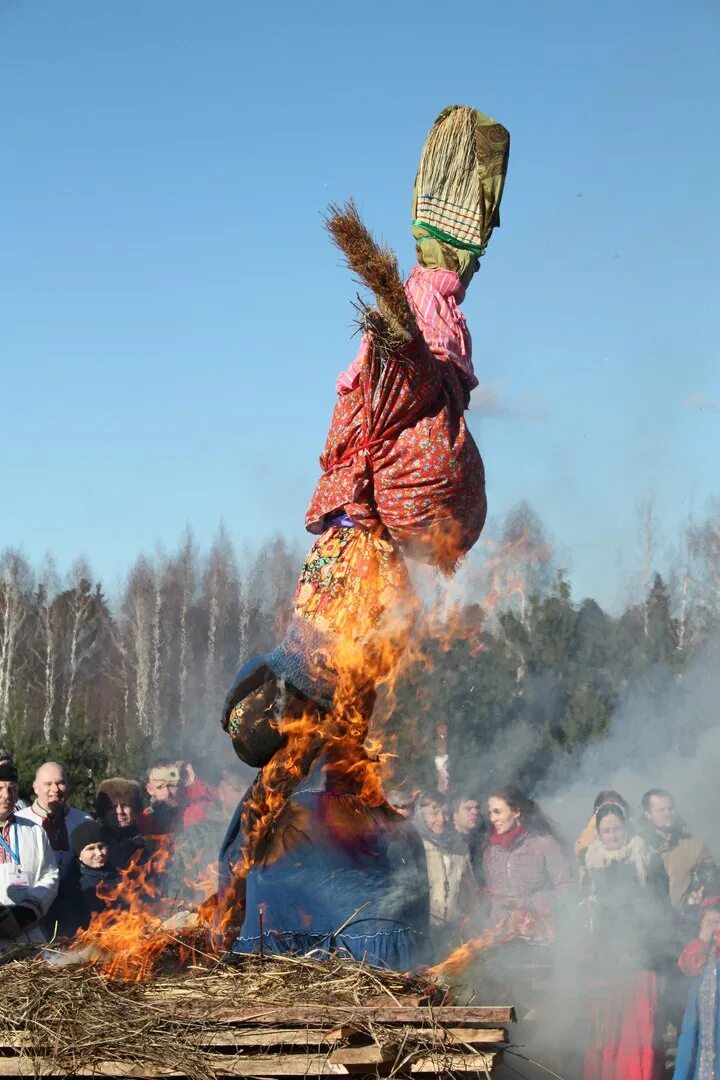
277,1041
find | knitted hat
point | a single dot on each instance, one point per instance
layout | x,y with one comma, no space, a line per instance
117,789
88,832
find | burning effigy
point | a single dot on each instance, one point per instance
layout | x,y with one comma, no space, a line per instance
321,862
311,955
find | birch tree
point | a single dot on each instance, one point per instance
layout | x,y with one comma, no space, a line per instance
15,585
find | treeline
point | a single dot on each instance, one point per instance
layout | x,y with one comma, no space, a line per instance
523,675
146,674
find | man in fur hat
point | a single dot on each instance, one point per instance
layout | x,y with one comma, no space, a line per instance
28,870
118,805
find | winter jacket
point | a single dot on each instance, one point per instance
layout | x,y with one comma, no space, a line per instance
630,917
59,830
78,897
529,875
452,884
200,800
681,854
27,888
125,844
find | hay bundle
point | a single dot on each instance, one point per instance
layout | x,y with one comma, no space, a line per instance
376,266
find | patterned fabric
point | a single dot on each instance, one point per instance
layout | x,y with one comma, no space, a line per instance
399,455
5,856
461,177
350,579
698,1052
434,295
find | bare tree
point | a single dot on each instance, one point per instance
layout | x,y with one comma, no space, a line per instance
15,585
648,534
47,631
80,632
138,610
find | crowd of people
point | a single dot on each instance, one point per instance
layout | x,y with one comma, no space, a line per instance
59,864
638,897
637,902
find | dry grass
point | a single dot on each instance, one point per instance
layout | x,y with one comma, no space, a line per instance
75,1018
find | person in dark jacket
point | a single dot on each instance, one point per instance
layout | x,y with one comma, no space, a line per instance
469,824
118,805
89,884
630,936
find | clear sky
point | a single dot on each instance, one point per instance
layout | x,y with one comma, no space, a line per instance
172,316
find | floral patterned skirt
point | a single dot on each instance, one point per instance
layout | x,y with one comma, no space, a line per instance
353,581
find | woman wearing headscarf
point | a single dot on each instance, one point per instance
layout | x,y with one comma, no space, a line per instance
586,837
629,935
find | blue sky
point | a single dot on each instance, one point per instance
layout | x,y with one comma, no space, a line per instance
172,316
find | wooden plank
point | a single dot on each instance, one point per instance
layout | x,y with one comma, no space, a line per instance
240,1065
232,1038
473,1035
442,1063
475,1015
271,1065
297,1036
362,1055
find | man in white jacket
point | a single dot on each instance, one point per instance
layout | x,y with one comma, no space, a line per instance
51,812
28,870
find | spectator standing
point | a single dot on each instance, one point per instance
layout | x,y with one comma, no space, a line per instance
608,797
164,815
6,758
452,886
86,889
28,870
51,811
682,854
95,870
118,805
698,1055
630,934
469,825
526,868
199,800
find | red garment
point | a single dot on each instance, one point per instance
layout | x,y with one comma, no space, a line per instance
505,839
200,799
624,1044
434,296
694,957
399,454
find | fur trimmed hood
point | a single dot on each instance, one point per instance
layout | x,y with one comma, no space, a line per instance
635,852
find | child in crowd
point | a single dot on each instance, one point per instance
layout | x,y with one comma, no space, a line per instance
91,877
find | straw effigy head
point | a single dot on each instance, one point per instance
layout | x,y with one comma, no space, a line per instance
460,179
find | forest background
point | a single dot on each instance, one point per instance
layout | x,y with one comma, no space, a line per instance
505,653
